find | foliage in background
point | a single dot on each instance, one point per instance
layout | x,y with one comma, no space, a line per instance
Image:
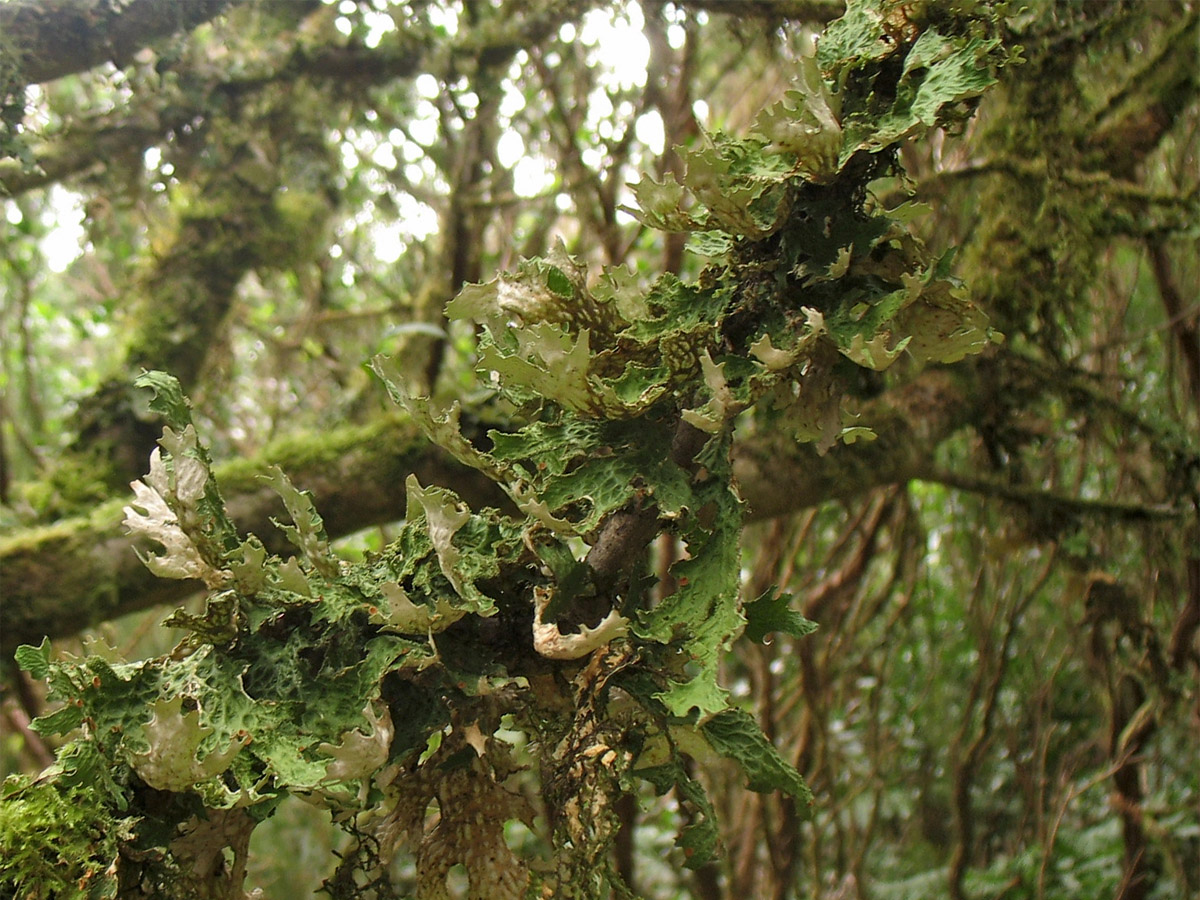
332,681
528,660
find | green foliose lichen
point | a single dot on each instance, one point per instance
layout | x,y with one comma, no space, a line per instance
339,680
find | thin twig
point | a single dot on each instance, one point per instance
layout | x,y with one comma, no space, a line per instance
1129,512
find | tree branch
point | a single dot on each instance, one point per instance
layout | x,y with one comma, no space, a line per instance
155,117
776,476
82,571
52,38
87,565
1055,506
822,11
1183,325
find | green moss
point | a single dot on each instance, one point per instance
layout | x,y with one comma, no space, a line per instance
57,841
394,434
76,483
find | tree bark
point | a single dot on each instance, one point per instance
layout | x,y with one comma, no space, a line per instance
79,572
82,571
776,476
243,223
52,38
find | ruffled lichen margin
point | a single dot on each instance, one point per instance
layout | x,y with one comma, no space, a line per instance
377,688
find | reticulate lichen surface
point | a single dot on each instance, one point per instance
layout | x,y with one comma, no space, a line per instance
375,688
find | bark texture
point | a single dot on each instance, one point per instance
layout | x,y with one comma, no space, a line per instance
88,565
52,38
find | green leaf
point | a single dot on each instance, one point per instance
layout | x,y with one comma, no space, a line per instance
940,71
805,124
444,430
875,353
153,516
699,838
772,613
734,734
721,406
62,721
701,693
546,361
661,204
443,515
953,71
308,532
34,660
580,470
703,612
169,400
361,752
558,282
854,40
945,325
710,243
250,572
183,506
171,762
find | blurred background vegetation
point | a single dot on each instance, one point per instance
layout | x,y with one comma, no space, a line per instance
1001,699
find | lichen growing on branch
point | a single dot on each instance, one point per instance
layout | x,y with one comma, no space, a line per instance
376,688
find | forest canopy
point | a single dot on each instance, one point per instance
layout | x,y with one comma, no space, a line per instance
523,448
